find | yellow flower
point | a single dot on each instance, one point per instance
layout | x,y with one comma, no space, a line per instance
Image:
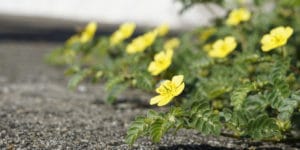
161,62
149,38
72,40
277,37
207,34
172,43
168,90
221,48
162,30
89,32
124,32
236,16
140,43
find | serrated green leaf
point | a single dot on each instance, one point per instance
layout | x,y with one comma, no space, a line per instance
239,94
158,129
204,120
264,127
135,130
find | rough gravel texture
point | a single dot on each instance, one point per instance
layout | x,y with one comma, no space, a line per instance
37,111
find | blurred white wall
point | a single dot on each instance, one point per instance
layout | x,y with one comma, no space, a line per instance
143,12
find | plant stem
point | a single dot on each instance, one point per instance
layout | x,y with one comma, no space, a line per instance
283,51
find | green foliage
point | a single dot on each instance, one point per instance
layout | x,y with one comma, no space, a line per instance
237,120
204,120
114,87
154,125
264,127
248,94
158,129
78,77
136,129
238,95
144,81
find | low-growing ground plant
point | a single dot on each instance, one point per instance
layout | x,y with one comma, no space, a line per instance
238,77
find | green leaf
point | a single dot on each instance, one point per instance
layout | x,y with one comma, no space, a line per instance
144,81
135,130
158,129
114,87
237,120
203,119
256,103
264,127
114,92
239,95
77,78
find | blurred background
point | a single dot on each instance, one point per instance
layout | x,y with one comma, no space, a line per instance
27,19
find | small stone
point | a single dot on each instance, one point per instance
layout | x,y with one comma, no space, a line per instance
82,89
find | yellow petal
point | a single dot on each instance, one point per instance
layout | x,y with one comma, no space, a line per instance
267,43
217,53
153,69
179,89
124,32
177,80
162,88
84,37
163,29
149,38
156,99
288,31
266,39
164,100
91,27
169,53
172,43
238,15
127,29
230,42
160,56
130,49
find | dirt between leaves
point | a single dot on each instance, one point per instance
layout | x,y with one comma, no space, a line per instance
37,111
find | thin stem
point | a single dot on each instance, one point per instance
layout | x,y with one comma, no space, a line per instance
283,51
242,38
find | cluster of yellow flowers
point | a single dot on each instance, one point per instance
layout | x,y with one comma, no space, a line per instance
162,60
168,90
124,32
140,43
222,47
237,16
